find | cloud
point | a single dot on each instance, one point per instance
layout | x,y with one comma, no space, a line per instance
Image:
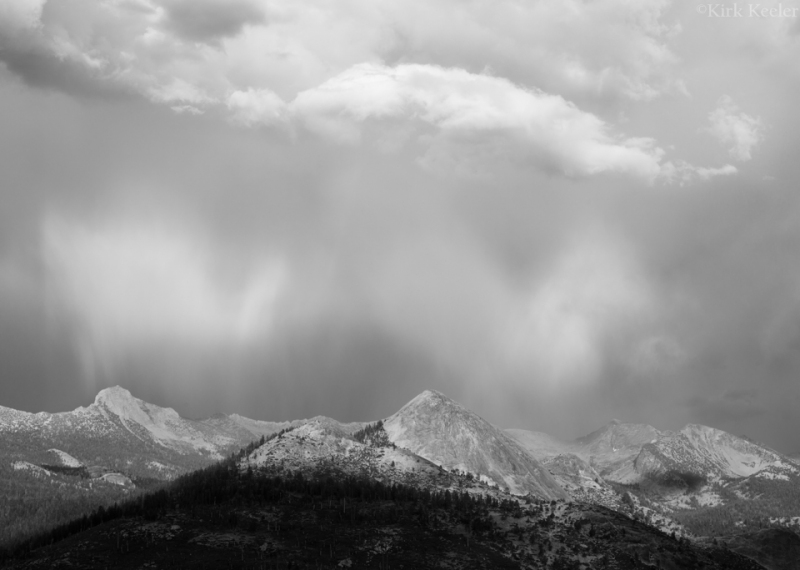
179,91
657,356
210,20
256,107
461,120
609,48
734,405
735,129
425,218
21,15
706,173
682,173
514,72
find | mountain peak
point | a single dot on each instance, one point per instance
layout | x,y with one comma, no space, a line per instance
443,431
430,395
431,399
704,432
113,395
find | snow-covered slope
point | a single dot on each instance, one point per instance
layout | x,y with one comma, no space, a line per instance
244,428
321,447
629,453
682,469
708,453
541,445
163,425
121,431
444,432
65,459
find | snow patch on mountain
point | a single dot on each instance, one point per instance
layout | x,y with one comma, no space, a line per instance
30,467
117,479
65,458
318,447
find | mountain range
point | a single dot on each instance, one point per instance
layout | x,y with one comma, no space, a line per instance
675,481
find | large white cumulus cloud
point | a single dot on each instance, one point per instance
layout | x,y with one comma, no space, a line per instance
465,118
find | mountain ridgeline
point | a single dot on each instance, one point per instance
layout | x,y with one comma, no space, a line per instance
697,486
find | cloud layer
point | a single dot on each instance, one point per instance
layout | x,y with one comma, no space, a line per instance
557,212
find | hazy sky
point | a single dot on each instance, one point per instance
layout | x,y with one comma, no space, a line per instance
556,212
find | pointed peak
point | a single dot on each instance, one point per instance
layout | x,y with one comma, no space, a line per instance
615,422
430,398
121,402
432,395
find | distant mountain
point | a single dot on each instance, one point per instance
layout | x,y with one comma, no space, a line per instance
634,453
246,429
698,480
615,444
56,465
704,453
122,432
541,445
444,432
695,482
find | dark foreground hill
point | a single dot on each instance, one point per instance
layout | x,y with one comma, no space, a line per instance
229,516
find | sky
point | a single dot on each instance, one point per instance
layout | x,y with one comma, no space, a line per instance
556,212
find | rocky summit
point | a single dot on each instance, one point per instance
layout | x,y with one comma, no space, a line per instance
435,427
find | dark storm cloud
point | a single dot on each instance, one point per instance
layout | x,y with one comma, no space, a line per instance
40,68
210,20
732,405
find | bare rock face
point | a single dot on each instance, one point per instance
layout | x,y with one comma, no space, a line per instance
444,432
